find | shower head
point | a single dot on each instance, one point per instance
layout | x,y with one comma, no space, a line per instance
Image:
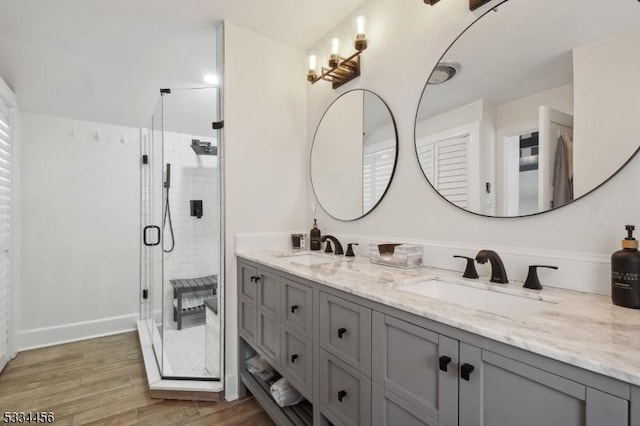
203,148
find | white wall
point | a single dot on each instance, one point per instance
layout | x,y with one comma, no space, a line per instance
80,230
408,41
607,107
457,117
266,159
521,114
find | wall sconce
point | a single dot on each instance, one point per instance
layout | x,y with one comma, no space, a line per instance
431,2
341,70
474,4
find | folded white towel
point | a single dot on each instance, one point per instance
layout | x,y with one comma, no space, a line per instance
257,365
268,375
285,394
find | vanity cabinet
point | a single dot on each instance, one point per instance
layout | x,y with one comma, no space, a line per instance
435,379
275,318
504,391
360,363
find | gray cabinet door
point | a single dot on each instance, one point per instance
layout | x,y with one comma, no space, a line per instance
269,337
247,287
269,293
345,393
345,331
247,321
388,409
406,361
503,392
268,308
297,307
248,300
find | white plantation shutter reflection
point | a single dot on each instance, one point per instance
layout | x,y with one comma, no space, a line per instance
445,163
377,168
5,217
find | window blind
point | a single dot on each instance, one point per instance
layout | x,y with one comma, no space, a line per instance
377,168
445,163
5,237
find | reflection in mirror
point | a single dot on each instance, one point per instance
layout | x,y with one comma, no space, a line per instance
540,107
353,155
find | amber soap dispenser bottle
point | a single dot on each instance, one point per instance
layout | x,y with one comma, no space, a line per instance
625,273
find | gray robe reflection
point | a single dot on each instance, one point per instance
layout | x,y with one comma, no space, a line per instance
562,183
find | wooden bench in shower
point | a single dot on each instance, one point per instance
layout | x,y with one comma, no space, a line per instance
182,287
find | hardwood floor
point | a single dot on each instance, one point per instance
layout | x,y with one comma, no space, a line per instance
102,382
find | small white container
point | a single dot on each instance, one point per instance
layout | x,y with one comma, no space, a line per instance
398,255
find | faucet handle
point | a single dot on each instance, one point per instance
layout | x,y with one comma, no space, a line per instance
470,271
328,249
532,280
350,249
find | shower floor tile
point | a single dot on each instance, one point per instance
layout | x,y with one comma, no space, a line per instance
184,352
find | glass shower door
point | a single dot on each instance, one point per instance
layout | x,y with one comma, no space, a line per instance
192,338
151,259
180,255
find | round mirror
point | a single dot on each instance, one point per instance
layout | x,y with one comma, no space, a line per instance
535,105
353,156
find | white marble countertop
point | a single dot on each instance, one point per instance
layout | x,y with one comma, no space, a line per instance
581,329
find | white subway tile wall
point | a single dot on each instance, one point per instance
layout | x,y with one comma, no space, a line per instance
197,245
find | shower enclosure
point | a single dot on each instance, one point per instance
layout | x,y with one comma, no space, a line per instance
181,283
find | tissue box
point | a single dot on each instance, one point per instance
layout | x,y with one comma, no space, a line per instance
395,254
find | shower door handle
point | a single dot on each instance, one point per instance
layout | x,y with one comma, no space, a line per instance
144,235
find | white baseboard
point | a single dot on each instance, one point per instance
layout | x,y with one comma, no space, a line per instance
55,335
3,362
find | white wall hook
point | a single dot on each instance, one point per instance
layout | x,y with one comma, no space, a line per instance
74,134
98,136
123,139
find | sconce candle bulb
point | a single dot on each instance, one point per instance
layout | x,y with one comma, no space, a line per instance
312,74
361,39
334,58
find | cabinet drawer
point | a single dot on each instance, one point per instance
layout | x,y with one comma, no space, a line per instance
247,284
390,410
345,331
345,394
247,321
297,307
297,360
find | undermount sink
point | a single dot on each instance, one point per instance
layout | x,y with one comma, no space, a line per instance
508,305
309,259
